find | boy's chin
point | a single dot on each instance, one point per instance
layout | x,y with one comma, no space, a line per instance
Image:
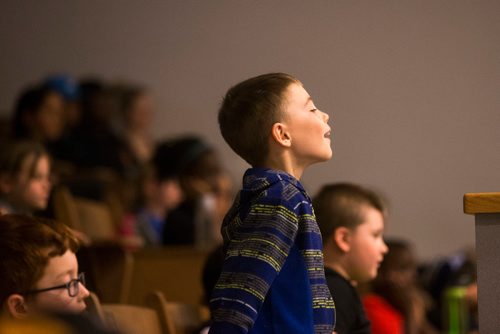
327,156
321,158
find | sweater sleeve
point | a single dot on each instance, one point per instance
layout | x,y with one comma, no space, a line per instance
255,255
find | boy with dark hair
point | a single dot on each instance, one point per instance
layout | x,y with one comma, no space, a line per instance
351,220
272,279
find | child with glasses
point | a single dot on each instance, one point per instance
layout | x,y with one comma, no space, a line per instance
39,267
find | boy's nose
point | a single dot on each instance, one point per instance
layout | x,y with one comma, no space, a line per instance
385,249
83,292
326,117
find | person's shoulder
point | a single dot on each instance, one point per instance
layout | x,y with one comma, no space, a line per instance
340,288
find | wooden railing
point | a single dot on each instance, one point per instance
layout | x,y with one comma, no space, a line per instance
486,209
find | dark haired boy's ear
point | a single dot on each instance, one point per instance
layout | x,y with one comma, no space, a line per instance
342,237
280,134
16,306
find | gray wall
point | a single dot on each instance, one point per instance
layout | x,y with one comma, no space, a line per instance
412,87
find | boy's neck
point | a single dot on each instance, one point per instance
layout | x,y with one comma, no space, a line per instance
282,161
296,173
333,263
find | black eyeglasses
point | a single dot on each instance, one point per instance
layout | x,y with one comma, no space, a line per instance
72,286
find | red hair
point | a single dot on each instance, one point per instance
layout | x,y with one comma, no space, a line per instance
26,245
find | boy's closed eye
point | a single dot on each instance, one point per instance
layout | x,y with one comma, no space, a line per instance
312,106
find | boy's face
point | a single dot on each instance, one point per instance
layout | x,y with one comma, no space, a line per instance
59,270
308,127
165,194
32,191
170,194
367,247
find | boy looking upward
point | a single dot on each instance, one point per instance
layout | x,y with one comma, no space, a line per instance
272,279
351,220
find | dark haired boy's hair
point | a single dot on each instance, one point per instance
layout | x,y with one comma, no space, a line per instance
181,156
340,205
187,158
248,112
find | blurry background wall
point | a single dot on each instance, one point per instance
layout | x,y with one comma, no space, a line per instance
412,87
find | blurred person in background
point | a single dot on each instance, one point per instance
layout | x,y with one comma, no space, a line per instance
39,115
458,272
195,221
96,145
396,303
134,120
62,149
159,193
25,177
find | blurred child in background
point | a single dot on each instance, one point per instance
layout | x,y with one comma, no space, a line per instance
159,193
194,221
39,115
396,303
351,219
134,120
24,177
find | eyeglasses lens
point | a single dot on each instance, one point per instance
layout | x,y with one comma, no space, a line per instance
74,285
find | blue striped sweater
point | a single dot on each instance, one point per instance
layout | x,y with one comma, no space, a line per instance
273,278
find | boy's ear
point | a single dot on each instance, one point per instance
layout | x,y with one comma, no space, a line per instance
16,306
280,134
342,237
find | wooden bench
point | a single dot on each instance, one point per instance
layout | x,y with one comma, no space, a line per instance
175,271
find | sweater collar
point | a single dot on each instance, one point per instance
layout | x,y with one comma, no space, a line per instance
257,178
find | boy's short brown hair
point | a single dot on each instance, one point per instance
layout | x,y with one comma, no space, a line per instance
26,245
249,111
340,205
